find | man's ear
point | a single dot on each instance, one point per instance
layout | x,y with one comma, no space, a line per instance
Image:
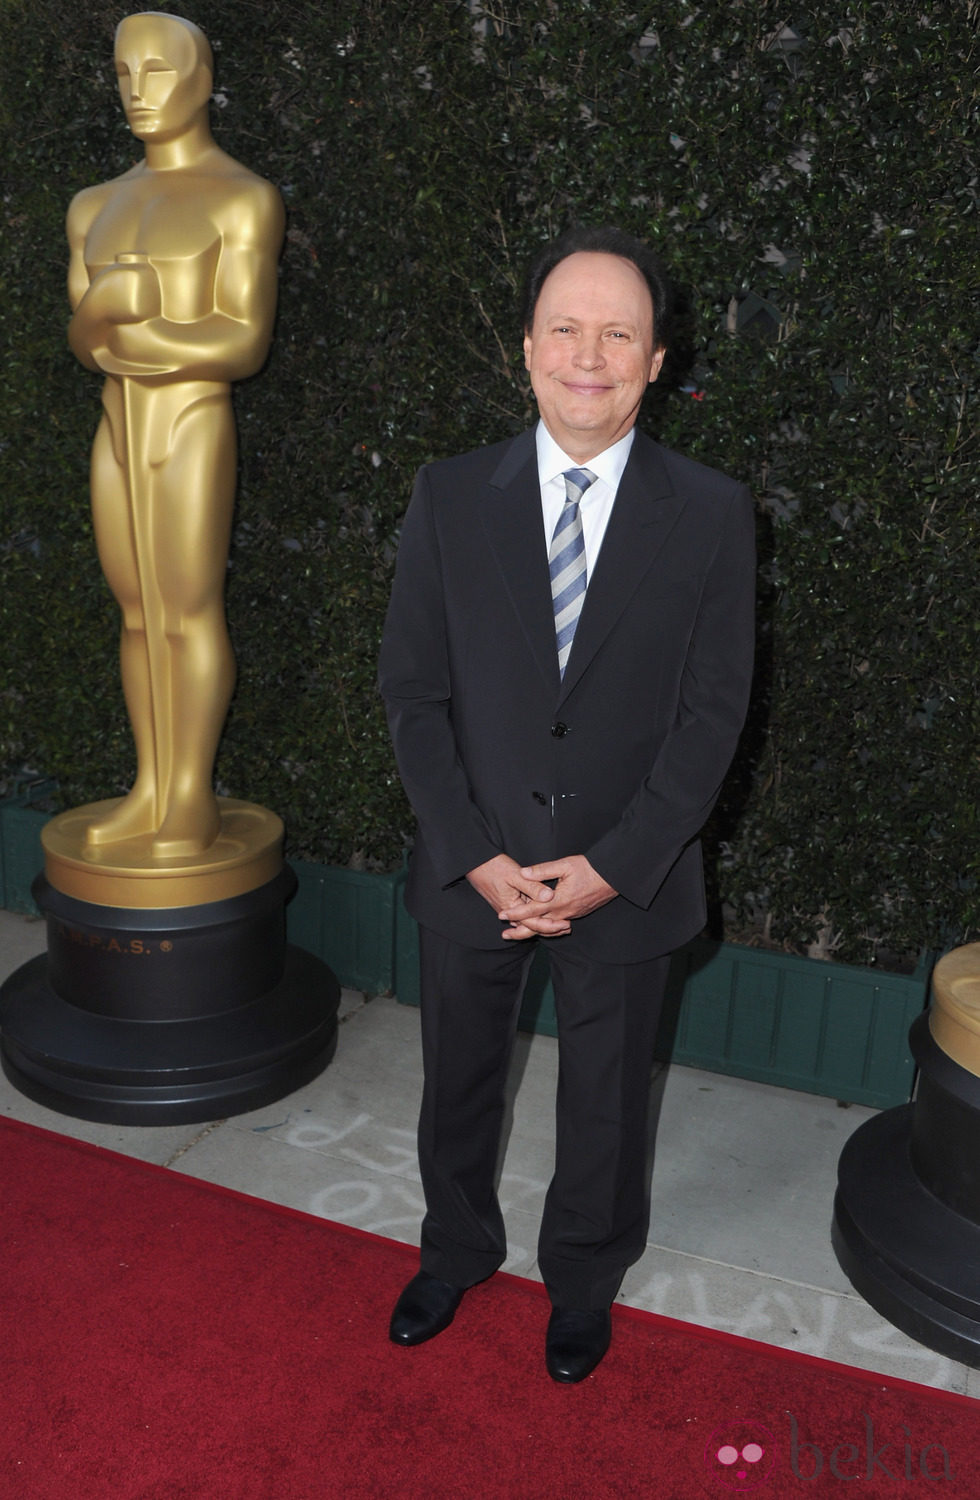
527,351
656,363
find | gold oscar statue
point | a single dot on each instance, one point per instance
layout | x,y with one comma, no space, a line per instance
172,284
169,992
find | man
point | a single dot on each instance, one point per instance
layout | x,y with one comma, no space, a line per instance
566,665
172,284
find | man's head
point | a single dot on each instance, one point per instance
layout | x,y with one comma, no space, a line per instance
165,70
604,239
596,312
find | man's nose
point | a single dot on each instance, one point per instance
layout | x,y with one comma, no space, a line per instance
589,354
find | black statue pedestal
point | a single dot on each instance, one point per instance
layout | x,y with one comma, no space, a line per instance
906,1224
158,1015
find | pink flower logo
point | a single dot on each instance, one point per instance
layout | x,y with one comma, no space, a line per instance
740,1454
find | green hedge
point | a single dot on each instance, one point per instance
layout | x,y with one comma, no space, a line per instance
812,186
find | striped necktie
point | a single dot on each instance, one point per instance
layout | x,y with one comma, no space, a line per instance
566,563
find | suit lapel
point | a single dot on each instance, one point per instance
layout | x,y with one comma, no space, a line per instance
643,516
512,521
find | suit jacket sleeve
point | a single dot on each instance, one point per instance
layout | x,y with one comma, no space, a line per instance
670,807
415,684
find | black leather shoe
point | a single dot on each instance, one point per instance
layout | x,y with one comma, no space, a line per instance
425,1308
576,1342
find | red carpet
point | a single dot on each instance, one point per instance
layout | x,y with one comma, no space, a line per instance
167,1340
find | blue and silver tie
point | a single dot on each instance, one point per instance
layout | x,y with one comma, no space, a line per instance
566,563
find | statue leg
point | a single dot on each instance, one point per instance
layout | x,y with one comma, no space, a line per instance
194,490
112,520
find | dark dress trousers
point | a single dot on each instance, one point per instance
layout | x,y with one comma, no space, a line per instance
620,761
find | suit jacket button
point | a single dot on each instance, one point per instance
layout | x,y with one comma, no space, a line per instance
559,729
540,797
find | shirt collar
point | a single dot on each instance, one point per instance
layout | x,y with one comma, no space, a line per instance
607,465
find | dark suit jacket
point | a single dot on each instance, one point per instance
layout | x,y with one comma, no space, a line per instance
621,761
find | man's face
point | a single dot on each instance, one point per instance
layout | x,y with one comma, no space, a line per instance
161,82
591,351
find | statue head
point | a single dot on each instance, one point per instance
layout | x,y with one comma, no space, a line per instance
165,69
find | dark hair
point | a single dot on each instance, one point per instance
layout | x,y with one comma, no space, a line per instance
605,239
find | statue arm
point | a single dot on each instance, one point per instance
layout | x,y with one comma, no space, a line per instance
230,341
83,335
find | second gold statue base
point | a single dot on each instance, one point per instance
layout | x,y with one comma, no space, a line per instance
906,1224
246,854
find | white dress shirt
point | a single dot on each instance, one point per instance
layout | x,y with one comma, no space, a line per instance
596,504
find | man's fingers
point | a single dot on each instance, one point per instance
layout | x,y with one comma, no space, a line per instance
543,922
552,870
534,890
517,931
522,895
500,882
523,911
544,927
